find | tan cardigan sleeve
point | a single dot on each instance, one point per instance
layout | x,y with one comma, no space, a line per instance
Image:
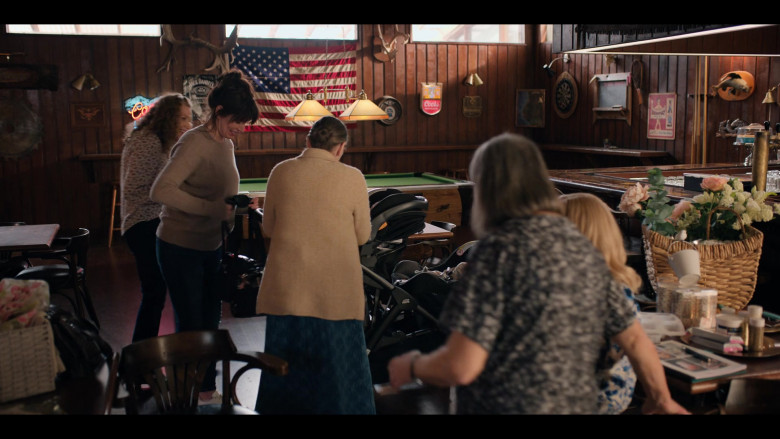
362,211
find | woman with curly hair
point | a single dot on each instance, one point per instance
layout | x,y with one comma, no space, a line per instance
145,152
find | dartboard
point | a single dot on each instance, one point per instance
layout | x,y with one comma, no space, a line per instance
565,95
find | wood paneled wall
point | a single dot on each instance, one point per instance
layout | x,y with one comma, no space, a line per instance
55,184
664,74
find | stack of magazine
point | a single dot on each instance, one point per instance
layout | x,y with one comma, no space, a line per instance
695,364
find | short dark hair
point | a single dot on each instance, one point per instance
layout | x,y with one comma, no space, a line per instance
327,132
235,93
510,180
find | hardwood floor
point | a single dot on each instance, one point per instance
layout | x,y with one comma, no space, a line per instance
115,289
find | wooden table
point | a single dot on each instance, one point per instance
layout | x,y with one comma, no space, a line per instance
27,237
560,156
765,368
431,232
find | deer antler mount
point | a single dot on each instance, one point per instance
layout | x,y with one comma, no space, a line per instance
222,54
386,49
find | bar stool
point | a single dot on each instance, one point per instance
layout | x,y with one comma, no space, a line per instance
115,204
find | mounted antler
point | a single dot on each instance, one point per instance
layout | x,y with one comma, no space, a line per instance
385,51
223,55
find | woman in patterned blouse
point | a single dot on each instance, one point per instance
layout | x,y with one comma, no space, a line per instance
145,152
528,319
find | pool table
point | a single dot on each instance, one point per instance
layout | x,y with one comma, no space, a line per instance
448,199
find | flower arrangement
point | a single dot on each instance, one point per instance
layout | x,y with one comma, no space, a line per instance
723,201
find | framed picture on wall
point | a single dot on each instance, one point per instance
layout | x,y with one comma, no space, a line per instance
661,114
92,114
529,108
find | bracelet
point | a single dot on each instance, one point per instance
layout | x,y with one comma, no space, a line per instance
411,368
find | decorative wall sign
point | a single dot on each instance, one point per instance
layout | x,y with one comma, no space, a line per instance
430,98
87,114
392,107
28,76
661,115
197,88
735,86
472,106
21,130
565,94
529,108
137,106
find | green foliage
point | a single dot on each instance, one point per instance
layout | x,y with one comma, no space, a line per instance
658,209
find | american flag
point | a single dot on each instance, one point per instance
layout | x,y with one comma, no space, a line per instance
282,76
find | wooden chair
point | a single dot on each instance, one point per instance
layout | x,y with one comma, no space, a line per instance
113,227
70,247
174,367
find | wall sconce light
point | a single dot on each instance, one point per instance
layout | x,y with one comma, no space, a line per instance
770,99
85,80
473,79
548,67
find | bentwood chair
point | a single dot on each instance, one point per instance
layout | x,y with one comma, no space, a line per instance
69,272
173,367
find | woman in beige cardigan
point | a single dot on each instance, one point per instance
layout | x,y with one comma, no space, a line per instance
316,215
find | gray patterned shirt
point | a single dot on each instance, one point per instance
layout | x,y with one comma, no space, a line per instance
539,298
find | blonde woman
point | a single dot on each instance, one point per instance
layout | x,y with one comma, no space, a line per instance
594,219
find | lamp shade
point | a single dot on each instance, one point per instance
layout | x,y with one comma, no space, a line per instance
363,109
308,109
769,98
474,80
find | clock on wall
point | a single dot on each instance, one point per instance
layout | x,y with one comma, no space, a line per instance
565,95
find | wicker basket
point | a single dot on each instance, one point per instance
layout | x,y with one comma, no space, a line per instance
730,267
28,362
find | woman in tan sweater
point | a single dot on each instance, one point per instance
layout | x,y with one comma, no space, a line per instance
192,188
316,215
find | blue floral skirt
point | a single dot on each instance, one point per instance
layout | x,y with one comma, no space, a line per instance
328,368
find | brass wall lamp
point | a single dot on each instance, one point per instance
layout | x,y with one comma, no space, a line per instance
85,80
548,67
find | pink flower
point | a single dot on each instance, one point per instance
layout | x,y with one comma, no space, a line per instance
714,183
680,208
629,202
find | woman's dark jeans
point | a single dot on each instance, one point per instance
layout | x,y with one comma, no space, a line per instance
142,242
193,283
